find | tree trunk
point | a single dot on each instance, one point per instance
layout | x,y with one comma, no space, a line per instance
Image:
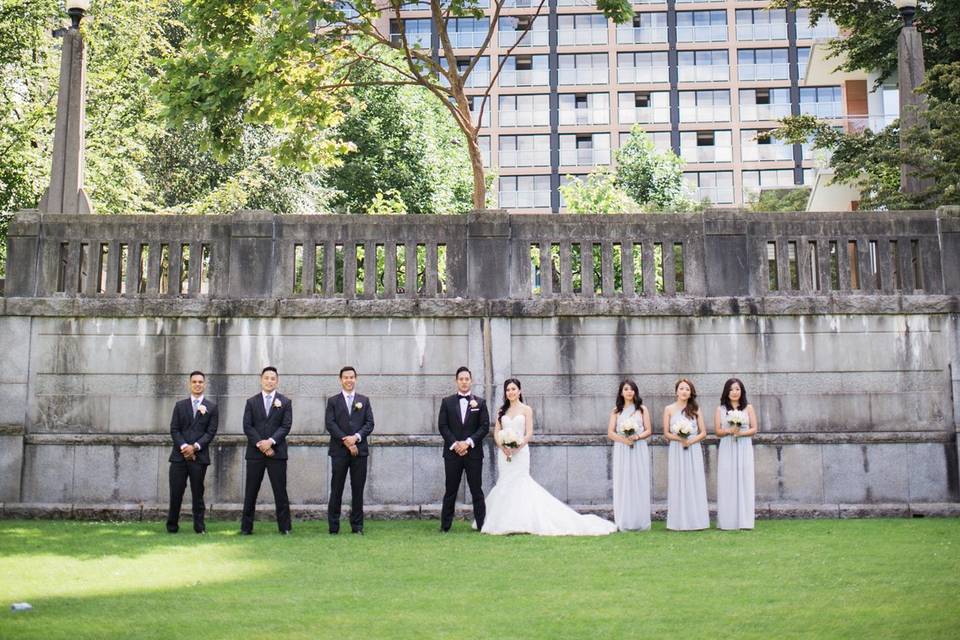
479,178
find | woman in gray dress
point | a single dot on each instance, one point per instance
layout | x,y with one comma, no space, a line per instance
628,428
686,483
735,422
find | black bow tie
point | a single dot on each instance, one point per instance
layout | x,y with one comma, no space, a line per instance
464,397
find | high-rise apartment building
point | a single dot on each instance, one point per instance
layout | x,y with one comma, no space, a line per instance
702,77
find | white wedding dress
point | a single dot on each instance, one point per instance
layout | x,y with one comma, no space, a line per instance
518,504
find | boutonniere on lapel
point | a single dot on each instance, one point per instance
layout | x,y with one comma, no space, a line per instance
473,403
357,406
202,410
277,404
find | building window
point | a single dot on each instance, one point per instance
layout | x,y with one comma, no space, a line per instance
704,66
706,146
467,33
763,64
484,143
417,32
756,181
583,68
702,26
585,150
644,107
643,67
524,111
803,57
475,103
661,140
825,29
584,108
715,186
530,30
581,29
761,24
525,192
479,76
646,28
524,151
822,102
525,71
753,149
705,106
764,104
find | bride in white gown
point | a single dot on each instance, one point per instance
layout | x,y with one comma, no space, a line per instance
517,503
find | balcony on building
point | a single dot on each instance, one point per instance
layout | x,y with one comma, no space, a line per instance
643,67
761,24
416,30
706,146
763,64
582,68
643,107
529,110
525,71
475,110
581,29
705,106
584,150
764,104
825,103
645,28
702,26
712,186
523,31
524,151
479,77
524,192
467,33
703,66
756,147
584,108
825,29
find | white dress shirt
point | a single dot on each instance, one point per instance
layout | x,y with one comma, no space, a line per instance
349,398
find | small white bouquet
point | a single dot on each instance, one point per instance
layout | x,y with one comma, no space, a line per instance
736,419
683,428
509,440
629,427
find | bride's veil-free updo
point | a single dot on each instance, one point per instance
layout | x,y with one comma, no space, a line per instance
506,403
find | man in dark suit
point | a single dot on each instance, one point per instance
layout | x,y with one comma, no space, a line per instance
349,419
267,419
192,427
463,423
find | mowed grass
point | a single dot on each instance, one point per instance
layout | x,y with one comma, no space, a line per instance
786,579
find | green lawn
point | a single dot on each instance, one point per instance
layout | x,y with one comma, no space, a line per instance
824,579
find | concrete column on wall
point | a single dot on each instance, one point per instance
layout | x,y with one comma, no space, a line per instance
948,220
23,255
489,268
726,259
912,104
252,247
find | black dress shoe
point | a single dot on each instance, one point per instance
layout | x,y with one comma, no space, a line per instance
202,532
286,532
442,530
246,533
169,530
359,532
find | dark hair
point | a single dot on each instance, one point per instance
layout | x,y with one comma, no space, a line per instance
506,403
197,373
274,369
461,370
637,401
692,407
725,396
347,368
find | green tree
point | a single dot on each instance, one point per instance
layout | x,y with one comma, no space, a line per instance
779,199
871,27
652,178
283,63
597,193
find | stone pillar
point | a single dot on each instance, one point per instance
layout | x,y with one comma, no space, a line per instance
65,193
910,76
726,261
252,260
489,264
23,252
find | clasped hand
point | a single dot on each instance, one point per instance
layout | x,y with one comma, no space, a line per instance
350,442
189,453
266,448
461,448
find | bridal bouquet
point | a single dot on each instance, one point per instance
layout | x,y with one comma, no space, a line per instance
629,427
509,440
736,419
682,428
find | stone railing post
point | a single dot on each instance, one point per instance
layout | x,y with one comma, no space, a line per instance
727,255
948,221
490,272
23,254
252,250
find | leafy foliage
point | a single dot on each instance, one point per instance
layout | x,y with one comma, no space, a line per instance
650,177
597,193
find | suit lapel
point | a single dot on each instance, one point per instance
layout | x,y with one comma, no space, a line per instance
260,410
456,406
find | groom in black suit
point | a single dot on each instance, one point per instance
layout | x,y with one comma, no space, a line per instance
192,427
267,419
463,423
349,419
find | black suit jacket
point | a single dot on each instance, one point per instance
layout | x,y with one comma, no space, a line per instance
340,423
476,427
187,429
258,426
